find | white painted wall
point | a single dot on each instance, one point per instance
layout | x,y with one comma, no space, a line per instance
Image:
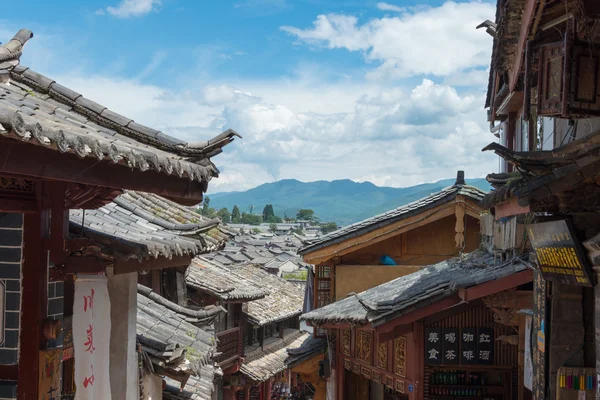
122,290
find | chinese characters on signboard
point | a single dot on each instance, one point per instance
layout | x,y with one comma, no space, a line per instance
91,337
433,346
452,346
559,253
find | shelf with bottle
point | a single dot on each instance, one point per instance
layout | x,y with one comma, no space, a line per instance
458,391
465,398
462,378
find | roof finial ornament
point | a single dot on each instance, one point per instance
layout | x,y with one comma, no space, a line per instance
460,178
10,53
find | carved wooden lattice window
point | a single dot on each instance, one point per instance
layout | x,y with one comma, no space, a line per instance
323,290
346,341
400,356
550,85
363,346
382,352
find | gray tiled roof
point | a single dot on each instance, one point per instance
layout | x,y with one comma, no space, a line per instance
37,109
411,292
196,388
307,349
398,214
261,364
175,338
142,225
283,301
219,281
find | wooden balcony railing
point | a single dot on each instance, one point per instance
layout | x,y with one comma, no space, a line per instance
229,345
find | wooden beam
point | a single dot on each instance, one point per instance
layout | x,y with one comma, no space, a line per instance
499,285
356,243
516,299
133,265
33,305
18,205
416,315
523,37
52,165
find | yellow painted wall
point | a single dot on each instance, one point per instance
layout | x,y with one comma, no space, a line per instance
309,372
358,278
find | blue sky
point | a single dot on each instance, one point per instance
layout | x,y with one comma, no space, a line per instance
387,92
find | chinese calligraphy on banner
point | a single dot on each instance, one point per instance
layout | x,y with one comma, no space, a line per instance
91,337
452,346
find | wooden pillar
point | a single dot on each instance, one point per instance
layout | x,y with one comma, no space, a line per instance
246,393
267,391
510,137
340,374
33,303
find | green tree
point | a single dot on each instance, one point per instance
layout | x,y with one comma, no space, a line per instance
224,214
251,209
328,227
256,230
235,215
268,213
251,219
305,214
273,227
205,205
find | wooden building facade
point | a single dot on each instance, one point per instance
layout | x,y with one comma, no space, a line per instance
543,96
61,151
446,331
426,231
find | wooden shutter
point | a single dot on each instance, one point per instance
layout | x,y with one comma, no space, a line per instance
550,83
584,94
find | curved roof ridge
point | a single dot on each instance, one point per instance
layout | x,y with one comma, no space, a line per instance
394,215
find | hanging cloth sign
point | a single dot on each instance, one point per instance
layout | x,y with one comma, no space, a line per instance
91,337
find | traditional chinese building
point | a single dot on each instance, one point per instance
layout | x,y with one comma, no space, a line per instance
210,283
543,106
62,151
423,232
176,348
271,328
445,331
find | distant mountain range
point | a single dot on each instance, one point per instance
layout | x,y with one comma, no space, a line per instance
342,201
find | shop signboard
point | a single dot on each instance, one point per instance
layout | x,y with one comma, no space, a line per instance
433,346
450,346
485,346
559,254
453,346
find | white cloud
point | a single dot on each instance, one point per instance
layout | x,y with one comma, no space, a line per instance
439,41
390,136
309,128
130,8
389,7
